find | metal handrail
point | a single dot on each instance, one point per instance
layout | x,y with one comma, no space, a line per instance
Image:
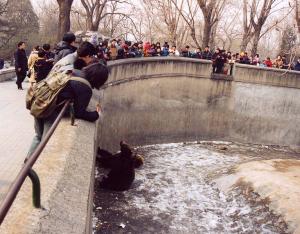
26,169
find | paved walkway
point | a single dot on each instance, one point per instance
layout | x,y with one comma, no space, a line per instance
16,132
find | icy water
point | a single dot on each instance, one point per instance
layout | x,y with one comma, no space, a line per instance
174,192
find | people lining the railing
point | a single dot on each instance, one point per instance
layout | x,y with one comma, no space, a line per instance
76,75
115,49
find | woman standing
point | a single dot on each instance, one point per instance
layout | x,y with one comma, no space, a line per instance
31,61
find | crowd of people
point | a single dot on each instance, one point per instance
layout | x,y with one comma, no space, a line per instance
42,58
222,59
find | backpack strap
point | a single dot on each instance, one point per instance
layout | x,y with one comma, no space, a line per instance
82,80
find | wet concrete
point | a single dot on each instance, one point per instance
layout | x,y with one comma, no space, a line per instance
175,192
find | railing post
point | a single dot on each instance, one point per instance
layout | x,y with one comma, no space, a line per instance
36,188
72,113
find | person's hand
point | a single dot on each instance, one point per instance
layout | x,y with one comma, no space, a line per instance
19,69
98,108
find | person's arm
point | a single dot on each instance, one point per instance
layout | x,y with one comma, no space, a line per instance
82,97
16,60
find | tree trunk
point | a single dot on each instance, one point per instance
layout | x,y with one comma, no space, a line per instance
297,15
64,23
213,33
255,43
206,34
193,35
245,41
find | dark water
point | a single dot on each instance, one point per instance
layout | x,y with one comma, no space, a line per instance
174,192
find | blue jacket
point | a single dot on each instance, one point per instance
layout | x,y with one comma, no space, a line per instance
297,66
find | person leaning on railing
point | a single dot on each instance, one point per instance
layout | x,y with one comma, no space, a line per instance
96,75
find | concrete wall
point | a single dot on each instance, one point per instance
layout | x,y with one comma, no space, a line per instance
156,100
7,74
66,171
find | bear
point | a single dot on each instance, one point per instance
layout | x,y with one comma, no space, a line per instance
122,167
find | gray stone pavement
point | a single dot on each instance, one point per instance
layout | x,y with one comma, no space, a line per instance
16,132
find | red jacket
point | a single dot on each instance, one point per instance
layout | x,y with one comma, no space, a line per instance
268,63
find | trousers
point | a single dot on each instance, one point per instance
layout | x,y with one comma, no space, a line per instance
41,127
20,78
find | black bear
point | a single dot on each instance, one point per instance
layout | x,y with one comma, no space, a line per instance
122,167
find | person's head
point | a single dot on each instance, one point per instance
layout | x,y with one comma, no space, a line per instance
126,150
69,37
174,47
79,64
41,53
257,55
21,45
206,48
96,74
278,57
86,51
187,47
217,50
46,47
268,59
36,48
198,50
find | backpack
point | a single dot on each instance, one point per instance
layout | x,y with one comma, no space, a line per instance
41,99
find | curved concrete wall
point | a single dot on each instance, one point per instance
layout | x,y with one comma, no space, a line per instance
157,100
7,74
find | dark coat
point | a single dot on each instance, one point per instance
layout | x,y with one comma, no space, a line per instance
206,55
63,49
49,55
21,61
42,67
81,95
297,66
1,63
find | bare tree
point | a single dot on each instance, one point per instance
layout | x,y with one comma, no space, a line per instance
96,10
189,17
168,12
212,10
255,16
297,15
64,22
247,25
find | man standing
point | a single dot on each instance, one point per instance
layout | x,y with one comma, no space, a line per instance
21,64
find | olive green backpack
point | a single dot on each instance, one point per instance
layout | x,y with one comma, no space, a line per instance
41,99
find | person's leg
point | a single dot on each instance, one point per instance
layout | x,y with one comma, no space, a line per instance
18,79
48,123
23,76
39,129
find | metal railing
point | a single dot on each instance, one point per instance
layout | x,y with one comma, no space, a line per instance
27,170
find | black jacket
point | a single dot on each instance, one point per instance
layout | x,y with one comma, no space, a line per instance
206,55
21,60
63,49
81,95
42,68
